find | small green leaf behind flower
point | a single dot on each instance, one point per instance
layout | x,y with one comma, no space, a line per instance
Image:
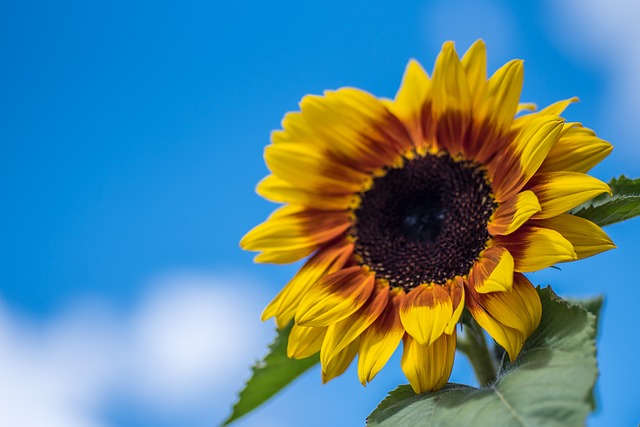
607,209
549,384
269,376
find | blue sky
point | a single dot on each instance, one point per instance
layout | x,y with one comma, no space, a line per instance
132,138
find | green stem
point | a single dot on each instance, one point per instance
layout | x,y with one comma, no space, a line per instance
475,347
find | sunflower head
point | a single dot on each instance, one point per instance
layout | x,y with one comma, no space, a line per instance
411,209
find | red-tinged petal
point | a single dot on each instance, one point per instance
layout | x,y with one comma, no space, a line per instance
535,248
558,192
493,272
342,333
451,100
326,261
512,168
278,190
510,215
360,130
292,231
335,297
299,163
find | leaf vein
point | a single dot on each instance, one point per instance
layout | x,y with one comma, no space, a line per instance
509,407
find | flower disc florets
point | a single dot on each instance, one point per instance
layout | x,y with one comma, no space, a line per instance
425,222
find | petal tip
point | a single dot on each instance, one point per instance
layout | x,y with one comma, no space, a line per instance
448,45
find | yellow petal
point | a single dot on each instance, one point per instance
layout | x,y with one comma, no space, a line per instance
526,106
514,308
554,109
335,297
510,316
586,237
558,192
500,101
449,85
512,168
558,107
358,127
510,339
428,367
342,333
381,339
425,312
531,299
340,362
474,63
304,342
534,143
295,129
413,90
411,97
326,261
510,215
284,256
456,290
577,150
535,248
494,271
450,102
278,190
297,163
295,230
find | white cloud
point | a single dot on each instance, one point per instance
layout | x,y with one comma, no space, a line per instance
187,346
53,376
193,339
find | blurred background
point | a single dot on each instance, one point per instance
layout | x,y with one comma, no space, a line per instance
131,141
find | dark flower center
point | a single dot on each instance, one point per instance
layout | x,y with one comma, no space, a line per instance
425,222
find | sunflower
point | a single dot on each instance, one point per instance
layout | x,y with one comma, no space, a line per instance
414,208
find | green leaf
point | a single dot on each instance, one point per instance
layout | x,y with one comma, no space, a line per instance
549,384
593,306
270,375
608,209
